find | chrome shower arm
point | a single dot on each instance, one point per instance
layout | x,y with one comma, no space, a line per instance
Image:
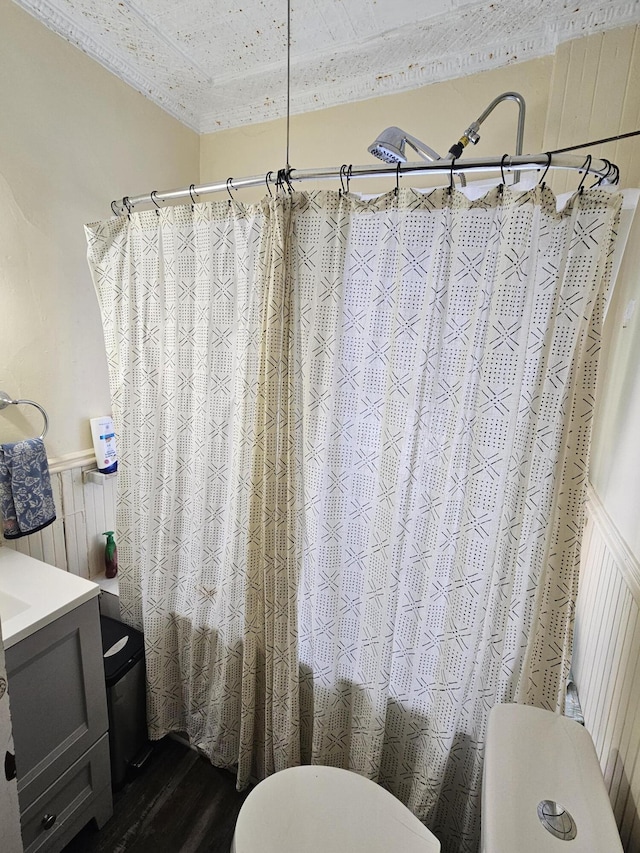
508,96
472,134
421,149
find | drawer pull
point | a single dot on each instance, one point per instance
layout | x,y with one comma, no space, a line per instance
48,820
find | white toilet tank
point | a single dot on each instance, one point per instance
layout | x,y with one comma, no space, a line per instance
542,769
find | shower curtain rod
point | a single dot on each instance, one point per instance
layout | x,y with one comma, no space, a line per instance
606,172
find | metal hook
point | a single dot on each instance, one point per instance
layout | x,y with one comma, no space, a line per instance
450,190
611,170
397,189
544,174
287,178
266,180
283,181
606,174
348,175
115,212
616,173
127,205
192,190
504,180
586,166
341,175
154,193
229,188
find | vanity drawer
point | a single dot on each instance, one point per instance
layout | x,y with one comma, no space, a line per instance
70,802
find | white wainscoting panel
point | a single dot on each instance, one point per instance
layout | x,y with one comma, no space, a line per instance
100,515
606,663
84,511
47,545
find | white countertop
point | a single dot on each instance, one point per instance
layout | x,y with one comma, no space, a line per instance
34,594
111,585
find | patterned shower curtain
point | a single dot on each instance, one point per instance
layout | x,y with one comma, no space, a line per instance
353,441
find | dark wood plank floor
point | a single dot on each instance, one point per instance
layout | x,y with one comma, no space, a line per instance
179,803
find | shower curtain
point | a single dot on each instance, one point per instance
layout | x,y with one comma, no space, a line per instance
353,439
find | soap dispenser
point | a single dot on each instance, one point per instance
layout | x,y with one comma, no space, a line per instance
110,556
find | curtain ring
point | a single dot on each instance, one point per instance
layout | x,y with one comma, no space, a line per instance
127,205
586,166
229,188
266,180
450,190
504,180
611,169
192,190
348,175
544,174
115,212
397,189
287,178
616,171
606,174
154,193
343,169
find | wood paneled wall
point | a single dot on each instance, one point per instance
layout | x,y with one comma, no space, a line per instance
606,663
594,95
74,542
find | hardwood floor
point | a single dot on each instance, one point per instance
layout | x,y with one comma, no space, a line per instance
179,803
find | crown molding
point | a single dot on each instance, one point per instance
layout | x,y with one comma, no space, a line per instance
464,40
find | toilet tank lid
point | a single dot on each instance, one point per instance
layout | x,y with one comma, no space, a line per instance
534,755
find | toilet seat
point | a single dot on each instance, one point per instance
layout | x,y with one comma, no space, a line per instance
315,809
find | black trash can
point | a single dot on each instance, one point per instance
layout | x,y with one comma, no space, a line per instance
123,651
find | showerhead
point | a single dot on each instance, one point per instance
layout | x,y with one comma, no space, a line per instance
390,146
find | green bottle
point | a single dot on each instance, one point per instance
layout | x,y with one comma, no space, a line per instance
110,556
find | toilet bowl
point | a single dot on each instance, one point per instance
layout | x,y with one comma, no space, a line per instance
315,809
542,792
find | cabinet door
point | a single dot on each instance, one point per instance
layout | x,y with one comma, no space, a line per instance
58,698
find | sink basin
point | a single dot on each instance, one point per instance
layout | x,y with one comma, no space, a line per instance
33,594
11,606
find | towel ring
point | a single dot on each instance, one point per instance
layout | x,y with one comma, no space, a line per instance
6,400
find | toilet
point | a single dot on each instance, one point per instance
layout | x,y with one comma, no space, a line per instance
542,784
315,809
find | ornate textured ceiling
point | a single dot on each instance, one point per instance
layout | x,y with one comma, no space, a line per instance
215,64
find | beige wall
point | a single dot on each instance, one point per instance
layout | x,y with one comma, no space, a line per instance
437,114
72,137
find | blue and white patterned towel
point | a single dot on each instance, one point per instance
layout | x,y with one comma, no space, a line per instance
26,498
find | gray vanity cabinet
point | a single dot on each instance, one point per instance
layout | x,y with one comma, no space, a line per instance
59,716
